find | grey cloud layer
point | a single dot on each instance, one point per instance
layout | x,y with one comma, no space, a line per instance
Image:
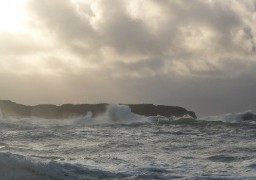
183,52
190,30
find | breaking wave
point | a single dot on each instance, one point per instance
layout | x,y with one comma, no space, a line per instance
247,116
14,166
115,114
160,148
122,115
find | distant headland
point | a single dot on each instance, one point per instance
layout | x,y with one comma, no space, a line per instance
49,111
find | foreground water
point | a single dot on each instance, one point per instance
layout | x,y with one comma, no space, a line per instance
137,148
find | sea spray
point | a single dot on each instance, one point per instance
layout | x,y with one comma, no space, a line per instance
160,148
232,117
115,114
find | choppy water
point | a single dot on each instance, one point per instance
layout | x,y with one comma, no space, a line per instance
143,148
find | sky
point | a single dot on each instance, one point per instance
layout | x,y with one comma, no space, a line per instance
198,54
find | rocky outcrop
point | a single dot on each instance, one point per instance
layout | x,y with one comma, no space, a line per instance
11,109
154,110
248,116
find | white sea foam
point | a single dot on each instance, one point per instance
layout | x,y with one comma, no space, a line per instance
14,166
114,114
181,148
120,114
20,167
232,117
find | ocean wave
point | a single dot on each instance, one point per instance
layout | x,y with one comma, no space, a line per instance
14,166
122,115
246,116
115,114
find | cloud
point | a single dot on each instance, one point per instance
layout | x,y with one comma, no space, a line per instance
169,50
208,29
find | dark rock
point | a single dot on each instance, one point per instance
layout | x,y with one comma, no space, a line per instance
81,109
249,116
11,109
47,111
154,110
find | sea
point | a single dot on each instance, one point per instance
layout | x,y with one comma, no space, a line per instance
122,145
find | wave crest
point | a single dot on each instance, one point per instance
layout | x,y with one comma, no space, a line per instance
120,114
233,117
14,166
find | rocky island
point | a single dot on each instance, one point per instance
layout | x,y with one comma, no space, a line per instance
49,111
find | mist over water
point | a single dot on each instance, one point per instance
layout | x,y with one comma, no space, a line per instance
122,145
